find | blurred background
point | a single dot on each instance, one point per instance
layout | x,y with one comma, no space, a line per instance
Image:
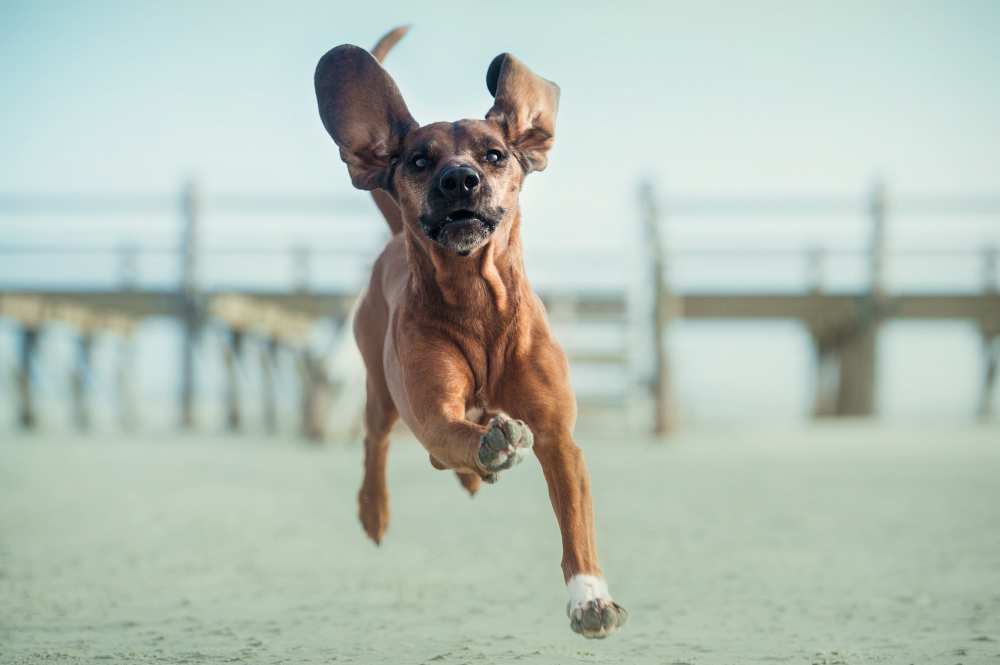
768,238
160,160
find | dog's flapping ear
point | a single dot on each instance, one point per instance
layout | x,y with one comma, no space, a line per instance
362,109
525,105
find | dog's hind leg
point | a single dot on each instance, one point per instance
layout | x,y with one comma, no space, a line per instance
373,498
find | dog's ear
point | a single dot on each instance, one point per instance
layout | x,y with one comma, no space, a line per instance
525,105
362,109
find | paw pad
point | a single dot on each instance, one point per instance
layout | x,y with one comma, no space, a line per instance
596,619
503,445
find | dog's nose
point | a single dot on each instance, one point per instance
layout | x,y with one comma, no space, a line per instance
457,181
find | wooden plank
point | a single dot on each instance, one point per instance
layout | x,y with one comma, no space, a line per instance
132,303
587,306
768,306
981,307
144,303
598,357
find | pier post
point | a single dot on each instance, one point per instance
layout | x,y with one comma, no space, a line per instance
826,369
856,395
858,354
317,390
269,366
826,373
877,204
991,360
189,302
233,361
815,270
301,268
80,381
125,376
27,415
660,388
128,266
990,334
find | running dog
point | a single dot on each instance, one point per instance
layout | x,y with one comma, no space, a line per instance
454,340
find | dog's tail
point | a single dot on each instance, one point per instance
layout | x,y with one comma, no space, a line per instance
385,204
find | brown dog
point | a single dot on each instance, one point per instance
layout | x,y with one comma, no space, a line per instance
453,338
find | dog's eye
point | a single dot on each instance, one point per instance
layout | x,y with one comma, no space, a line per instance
419,162
493,156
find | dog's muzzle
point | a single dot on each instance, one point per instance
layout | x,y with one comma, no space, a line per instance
460,231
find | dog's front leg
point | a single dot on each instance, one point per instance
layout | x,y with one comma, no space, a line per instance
439,386
592,611
540,393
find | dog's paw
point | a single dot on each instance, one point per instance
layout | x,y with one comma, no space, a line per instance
596,619
373,511
592,613
503,445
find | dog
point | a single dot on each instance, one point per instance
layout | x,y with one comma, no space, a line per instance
454,340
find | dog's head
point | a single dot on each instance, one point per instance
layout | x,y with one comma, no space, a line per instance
455,182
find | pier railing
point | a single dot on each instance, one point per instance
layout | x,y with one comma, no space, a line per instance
843,325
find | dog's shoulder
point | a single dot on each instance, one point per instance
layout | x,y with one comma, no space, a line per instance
389,273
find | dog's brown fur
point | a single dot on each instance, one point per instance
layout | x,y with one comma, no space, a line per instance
454,340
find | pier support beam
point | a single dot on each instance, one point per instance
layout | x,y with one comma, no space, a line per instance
859,350
301,268
27,415
845,365
856,389
990,332
316,395
991,364
269,367
664,412
191,313
827,380
233,360
80,382
125,379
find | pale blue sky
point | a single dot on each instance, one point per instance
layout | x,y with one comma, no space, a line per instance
708,98
736,98
711,97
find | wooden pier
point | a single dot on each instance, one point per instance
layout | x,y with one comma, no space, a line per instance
843,327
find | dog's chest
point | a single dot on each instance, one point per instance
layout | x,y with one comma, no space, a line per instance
486,351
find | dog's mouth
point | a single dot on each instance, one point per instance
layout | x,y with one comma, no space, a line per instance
461,230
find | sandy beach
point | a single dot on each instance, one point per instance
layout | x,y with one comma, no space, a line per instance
846,543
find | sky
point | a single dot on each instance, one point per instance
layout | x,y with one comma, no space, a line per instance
710,99
703,99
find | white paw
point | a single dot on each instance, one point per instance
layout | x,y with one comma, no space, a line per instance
591,610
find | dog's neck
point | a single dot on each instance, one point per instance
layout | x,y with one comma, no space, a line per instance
488,282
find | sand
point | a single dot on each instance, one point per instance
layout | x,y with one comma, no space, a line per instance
837,544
